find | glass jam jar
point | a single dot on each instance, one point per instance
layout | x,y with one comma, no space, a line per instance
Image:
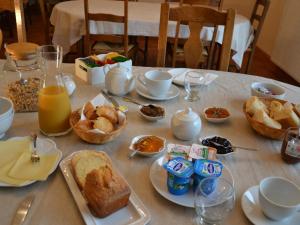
290,149
22,76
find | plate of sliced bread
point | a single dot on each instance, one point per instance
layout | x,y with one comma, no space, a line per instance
102,195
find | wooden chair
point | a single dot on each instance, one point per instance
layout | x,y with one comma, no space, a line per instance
104,43
197,17
257,19
1,38
175,44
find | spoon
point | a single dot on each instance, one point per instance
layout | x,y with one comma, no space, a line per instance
127,99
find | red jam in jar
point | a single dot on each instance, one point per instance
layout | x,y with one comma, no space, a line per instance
290,149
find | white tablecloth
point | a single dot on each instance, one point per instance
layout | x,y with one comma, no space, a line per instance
54,203
143,20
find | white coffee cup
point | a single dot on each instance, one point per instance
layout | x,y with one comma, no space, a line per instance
156,82
279,198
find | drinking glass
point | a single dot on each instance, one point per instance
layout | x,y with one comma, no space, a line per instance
192,84
214,199
53,101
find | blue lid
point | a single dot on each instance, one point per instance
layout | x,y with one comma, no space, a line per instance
179,167
207,168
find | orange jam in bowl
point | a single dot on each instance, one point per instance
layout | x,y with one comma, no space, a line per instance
149,144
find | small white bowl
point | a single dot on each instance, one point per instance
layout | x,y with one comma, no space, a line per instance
148,154
215,120
152,118
6,115
267,90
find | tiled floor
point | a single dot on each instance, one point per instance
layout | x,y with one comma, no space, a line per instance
262,65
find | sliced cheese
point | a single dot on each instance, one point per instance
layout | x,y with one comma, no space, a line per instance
7,179
11,150
25,169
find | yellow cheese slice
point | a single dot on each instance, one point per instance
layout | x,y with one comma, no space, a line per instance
12,149
25,169
7,179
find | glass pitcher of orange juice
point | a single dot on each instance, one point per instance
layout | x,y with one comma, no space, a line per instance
53,101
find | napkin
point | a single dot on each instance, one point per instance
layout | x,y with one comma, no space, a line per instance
207,77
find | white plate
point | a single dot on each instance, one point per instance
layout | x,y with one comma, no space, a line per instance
179,73
219,155
172,93
149,154
44,146
158,178
134,213
251,208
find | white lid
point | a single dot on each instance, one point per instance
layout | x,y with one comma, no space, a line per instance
186,115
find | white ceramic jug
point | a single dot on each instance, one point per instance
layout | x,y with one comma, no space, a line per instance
119,81
186,124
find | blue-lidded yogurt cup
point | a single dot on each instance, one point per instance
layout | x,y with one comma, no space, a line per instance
179,173
207,168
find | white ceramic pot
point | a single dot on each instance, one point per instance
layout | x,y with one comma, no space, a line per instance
186,124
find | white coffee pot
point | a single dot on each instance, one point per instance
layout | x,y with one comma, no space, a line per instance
119,81
186,124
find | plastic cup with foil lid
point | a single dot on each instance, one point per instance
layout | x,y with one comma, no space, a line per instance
290,149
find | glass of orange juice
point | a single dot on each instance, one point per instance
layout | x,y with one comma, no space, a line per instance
54,106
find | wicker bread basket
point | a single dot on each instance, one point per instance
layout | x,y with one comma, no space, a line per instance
261,128
96,138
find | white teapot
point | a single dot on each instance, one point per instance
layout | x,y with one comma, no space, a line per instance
119,81
186,124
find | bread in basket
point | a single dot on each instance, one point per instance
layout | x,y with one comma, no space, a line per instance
268,131
86,129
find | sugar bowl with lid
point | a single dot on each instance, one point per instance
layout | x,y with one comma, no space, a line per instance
186,124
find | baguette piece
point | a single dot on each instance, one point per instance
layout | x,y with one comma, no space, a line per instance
106,191
253,104
86,161
297,109
287,118
262,117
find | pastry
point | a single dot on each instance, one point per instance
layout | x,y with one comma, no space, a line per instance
84,162
89,111
253,104
108,112
103,124
262,117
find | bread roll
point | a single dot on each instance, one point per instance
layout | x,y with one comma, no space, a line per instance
108,112
287,118
262,117
105,191
297,109
275,108
103,124
253,104
86,161
89,111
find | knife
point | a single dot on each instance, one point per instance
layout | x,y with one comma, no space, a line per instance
110,99
22,210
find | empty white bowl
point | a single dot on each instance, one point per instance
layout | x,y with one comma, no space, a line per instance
267,90
6,115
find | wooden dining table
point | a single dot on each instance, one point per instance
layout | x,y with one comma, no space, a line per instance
143,20
54,202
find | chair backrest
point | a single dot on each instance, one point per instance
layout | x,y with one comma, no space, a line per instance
20,20
196,17
89,38
1,38
258,16
214,3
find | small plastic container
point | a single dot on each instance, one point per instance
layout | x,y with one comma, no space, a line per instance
206,168
179,174
290,149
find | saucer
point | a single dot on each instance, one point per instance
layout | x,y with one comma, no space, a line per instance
251,208
172,93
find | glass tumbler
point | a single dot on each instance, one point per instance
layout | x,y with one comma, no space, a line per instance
192,84
54,106
214,199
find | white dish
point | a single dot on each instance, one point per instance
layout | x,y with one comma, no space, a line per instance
215,120
152,118
134,213
261,89
252,209
149,154
179,73
158,178
218,155
172,93
44,146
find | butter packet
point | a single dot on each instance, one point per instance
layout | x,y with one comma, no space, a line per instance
176,150
202,152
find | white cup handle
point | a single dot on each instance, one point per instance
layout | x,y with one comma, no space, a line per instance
141,79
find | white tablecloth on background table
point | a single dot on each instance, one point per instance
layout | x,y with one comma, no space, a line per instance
143,20
54,203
